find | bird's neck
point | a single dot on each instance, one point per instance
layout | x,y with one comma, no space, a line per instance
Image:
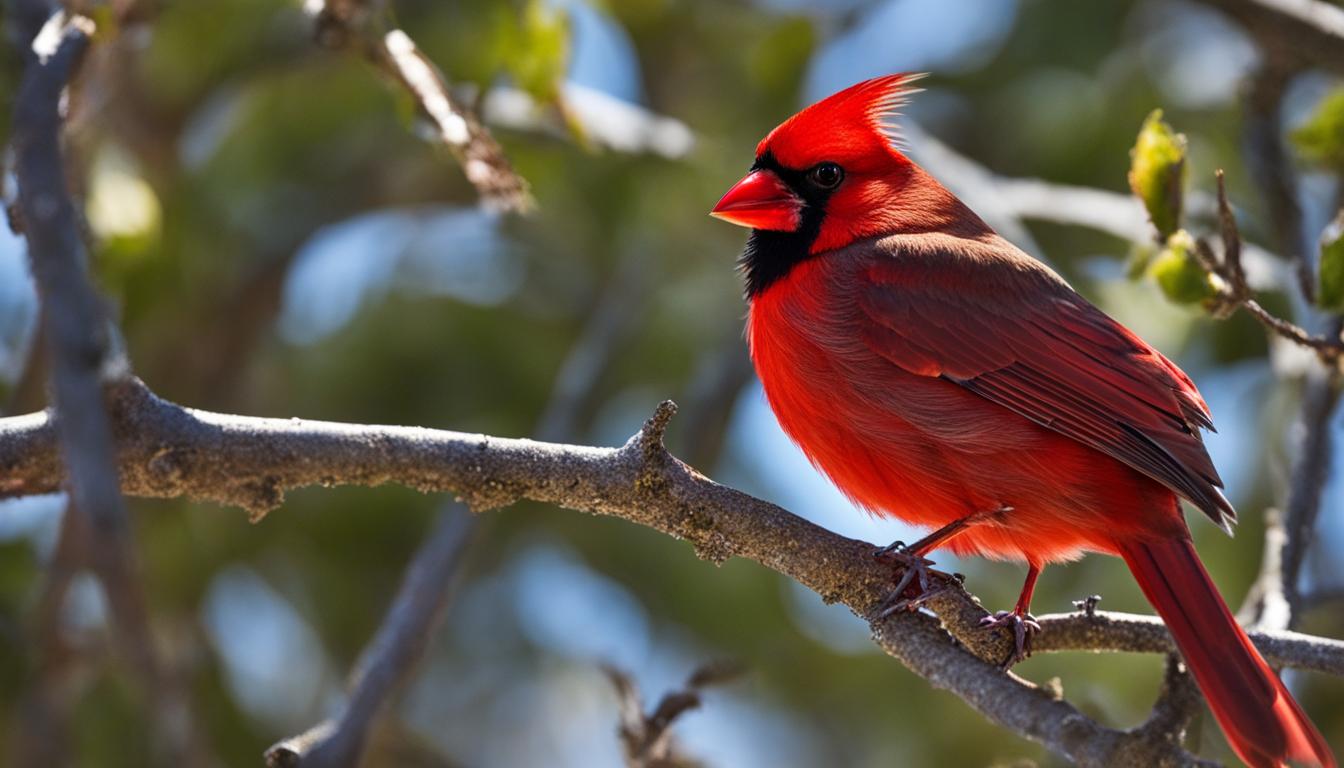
910,202
770,256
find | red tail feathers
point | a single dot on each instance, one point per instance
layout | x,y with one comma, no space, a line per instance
1265,726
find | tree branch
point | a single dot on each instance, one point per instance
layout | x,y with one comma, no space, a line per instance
1234,291
1177,703
1309,32
389,657
169,451
1271,167
1310,470
356,24
646,738
82,348
1266,603
1107,631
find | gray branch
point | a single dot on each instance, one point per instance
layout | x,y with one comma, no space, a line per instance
358,25
1310,471
82,350
168,451
1308,32
390,656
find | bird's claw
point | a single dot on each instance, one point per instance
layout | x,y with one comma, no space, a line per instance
916,576
1024,628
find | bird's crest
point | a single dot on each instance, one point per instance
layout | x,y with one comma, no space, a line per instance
844,124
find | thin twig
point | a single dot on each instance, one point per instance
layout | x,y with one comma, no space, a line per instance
1230,234
1266,605
1235,293
647,738
357,24
388,658
1314,448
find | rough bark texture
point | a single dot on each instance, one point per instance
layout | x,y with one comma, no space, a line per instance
164,450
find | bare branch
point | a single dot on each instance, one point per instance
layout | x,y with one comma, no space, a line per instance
78,335
1107,631
82,348
1308,32
1311,469
1234,292
608,324
719,377
1266,604
357,24
165,450
389,657
1270,166
647,738
1177,704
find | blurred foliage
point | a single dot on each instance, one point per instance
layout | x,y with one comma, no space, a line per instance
1330,271
533,47
1320,139
249,140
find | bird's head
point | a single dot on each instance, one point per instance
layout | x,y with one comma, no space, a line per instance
829,176
827,168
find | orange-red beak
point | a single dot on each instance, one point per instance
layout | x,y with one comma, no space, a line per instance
760,201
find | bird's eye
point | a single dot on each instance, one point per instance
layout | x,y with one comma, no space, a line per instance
826,175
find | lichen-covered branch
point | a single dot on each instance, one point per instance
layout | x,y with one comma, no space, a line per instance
168,451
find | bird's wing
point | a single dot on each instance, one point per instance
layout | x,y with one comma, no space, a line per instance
1019,336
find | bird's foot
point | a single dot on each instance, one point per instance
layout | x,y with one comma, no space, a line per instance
917,583
1024,628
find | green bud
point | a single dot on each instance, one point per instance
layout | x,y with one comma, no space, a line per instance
1330,276
1182,278
1157,172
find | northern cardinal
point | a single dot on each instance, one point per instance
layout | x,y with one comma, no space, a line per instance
938,374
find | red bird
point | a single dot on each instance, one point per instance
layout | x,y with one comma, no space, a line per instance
938,374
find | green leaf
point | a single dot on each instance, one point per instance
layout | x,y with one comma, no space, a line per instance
1320,140
1330,274
1181,277
1157,172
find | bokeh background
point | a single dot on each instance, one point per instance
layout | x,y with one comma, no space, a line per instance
277,240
